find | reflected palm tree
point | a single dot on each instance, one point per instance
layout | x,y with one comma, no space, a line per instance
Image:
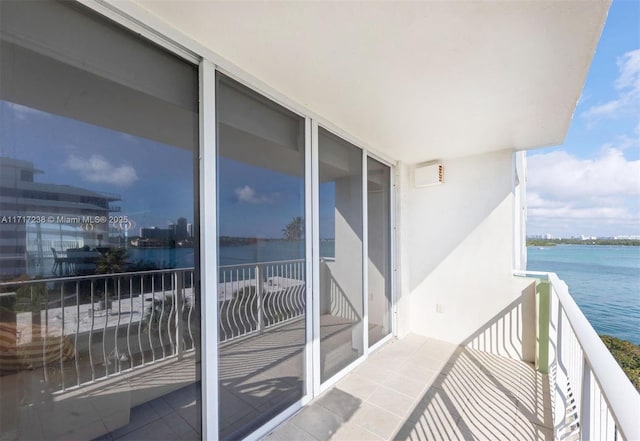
294,230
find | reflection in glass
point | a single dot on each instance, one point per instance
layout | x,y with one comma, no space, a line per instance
99,308
379,248
341,300
261,166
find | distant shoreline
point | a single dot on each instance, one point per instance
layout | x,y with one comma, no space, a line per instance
554,242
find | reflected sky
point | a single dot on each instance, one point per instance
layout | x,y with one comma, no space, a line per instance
154,180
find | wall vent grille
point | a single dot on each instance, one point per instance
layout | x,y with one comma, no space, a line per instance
428,174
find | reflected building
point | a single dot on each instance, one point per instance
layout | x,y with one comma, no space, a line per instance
181,229
42,220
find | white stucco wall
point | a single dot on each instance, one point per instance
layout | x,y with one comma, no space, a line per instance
457,255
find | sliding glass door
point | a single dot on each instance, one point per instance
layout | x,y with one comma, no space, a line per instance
99,292
379,250
100,318
340,253
262,258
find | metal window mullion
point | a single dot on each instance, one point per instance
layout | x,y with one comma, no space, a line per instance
207,162
365,255
313,306
393,229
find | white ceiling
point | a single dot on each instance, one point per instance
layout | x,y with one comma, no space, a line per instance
414,80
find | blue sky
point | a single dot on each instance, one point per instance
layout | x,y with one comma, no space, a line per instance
590,185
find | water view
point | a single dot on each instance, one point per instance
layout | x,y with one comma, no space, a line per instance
603,280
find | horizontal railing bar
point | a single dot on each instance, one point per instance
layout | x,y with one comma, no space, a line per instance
95,276
537,274
272,262
136,273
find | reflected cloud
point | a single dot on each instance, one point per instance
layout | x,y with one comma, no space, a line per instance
22,113
99,170
250,196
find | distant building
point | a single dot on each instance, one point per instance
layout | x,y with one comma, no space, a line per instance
546,236
39,217
155,233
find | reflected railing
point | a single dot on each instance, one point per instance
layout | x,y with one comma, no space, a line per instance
258,296
339,303
592,397
79,330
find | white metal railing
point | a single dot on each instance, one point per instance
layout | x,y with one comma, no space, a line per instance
592,397
258,296
78,330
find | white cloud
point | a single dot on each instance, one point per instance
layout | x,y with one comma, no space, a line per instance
249,195
99,170
628,86
599,191
629,66
565,177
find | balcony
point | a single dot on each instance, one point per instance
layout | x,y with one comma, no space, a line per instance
419,388
423,389
100,339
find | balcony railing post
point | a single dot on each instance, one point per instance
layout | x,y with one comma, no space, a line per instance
585,405
178,316
259,292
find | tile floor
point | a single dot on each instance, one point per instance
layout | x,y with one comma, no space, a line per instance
423,389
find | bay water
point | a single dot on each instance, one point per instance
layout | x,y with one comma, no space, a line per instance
603,280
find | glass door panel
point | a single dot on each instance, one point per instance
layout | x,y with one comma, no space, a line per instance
379,249
341,241
261,249
99,294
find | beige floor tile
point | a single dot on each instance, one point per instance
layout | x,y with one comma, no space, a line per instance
377,420
436,405
405,385
340,403
422,373
392,401
488,420
289,432
357,386
318,421
354,432
536,411
388,361
373,372
413,341
432,422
